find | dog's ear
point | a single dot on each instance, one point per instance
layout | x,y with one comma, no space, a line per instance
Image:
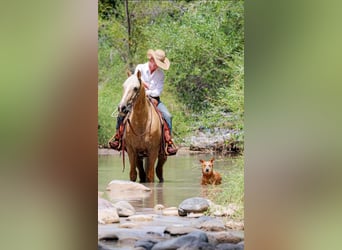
212,160
201,161
128,72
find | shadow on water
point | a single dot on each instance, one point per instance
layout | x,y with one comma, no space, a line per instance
182,176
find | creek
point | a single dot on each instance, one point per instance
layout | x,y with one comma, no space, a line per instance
182,177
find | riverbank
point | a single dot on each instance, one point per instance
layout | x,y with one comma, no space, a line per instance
188,226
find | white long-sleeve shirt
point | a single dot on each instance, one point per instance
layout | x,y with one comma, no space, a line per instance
155,81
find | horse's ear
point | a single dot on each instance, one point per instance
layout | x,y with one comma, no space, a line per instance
139,75
129,73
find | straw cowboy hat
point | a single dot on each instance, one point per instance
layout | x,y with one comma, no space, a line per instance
159,57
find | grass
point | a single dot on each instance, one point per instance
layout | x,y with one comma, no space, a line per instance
232,189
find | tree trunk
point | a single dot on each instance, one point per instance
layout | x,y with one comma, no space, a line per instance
129,32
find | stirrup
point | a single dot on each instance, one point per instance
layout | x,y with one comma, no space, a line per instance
173,147
118,147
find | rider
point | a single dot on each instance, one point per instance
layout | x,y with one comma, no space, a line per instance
152,76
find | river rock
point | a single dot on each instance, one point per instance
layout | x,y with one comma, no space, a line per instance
195,205
144,244
236,225
189,241
229,246
124,208
107,216
170,211
101,246
103,203
140,217
212,225
195,215
159,208
119,190
223,237
128,225
179,230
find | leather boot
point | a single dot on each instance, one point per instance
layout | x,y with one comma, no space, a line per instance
116,143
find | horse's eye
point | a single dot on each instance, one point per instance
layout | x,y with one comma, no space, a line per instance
135,89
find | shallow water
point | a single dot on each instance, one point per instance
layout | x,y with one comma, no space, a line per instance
182,177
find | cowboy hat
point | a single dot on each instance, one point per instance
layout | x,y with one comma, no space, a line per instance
159,57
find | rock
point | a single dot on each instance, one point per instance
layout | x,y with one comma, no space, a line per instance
229,246
140,217
223,237
108,237
126,186
195,215
128,225
102,203
107,216
195,205
127,190
170,211
190,241
158,208
101,246
179,230
124,208
161,210
200,245
212,225
145,244
236,225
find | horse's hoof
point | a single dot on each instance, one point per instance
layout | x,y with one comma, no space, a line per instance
161,180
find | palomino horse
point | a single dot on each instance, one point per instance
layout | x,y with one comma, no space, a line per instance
143,134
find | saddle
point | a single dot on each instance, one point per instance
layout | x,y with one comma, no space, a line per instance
166,136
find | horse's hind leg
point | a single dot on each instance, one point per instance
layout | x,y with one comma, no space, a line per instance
159,169
140,165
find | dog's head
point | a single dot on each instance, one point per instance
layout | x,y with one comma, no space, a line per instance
207,166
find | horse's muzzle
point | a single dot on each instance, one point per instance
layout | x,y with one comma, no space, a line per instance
122,108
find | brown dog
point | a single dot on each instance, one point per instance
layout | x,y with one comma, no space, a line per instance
209,176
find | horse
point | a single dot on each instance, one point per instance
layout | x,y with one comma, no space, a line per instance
143,137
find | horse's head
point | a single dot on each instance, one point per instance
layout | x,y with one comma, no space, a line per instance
131,91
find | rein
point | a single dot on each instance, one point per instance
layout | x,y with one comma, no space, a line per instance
131,127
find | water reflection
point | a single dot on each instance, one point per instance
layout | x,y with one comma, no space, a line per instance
182,175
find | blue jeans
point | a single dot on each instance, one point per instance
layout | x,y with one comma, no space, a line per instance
166,114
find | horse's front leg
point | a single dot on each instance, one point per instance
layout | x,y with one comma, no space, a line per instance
150,162
140,166
133,164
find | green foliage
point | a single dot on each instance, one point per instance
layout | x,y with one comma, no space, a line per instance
203,48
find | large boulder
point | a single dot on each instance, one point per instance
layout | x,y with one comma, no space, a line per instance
118,190
193,205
